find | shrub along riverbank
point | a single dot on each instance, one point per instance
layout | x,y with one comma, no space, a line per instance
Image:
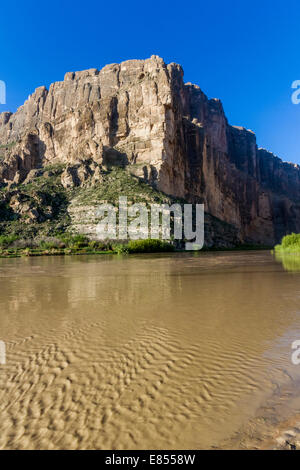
66,244
288,252
289,244
12,246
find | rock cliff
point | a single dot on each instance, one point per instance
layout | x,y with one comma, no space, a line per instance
141,115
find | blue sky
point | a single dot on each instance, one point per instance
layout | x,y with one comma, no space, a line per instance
245,53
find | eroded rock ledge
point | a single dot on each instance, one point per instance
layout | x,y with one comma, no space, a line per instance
141,113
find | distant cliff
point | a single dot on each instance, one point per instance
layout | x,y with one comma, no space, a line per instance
141,115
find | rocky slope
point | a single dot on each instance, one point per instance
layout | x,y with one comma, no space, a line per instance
140,115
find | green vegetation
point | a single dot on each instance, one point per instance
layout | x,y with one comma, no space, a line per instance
288,252
149,246
4,148
289,244
41,216
67,244
119,182
62,244
144,246
36,208
40,206
6,241
35,218
8,146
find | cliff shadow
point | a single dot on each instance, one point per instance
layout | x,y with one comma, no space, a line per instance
114,158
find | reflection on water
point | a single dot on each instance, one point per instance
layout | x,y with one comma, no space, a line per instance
290,262
156,351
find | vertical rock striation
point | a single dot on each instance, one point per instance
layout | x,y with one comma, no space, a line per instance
141,113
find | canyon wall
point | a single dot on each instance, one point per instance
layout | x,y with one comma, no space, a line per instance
141,113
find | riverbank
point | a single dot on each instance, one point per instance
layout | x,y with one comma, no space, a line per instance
276,424
290,245
66,244
53,252
94,248
266,433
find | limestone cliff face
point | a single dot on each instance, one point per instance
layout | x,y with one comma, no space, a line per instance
141,113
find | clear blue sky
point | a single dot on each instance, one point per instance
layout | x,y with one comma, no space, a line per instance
245,53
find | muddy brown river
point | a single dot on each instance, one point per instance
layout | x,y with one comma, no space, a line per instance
175,351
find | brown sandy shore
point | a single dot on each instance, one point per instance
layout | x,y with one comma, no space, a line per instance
263,435
276,425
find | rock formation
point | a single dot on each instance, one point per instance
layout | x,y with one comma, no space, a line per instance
141,113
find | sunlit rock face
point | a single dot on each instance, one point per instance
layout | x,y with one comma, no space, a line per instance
141,113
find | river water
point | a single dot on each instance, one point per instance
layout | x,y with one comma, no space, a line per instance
147,351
